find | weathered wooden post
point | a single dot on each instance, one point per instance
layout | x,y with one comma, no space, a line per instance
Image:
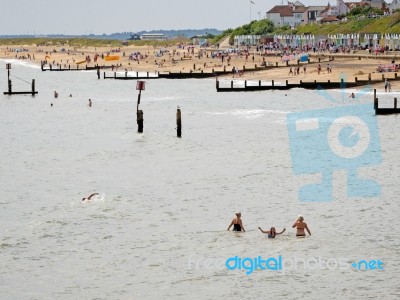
33,87
395,103
178,123
98,73
375,101
369,77
355,79
140,86
273,83
8,67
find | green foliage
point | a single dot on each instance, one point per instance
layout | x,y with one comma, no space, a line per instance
219,37
254,28
83,42
261,27
284,30
386,24
364,11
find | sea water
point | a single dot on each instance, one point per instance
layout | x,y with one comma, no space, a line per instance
157,229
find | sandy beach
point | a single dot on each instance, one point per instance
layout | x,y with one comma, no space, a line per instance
186,58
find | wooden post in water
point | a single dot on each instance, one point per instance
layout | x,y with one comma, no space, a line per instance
8,67
9,86
273,83
33,87
395,103
178,123
140,86
375,101
98,73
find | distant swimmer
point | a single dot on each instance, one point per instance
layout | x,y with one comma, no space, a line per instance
90,197
55,94
272,232
237,223
300,225
90,103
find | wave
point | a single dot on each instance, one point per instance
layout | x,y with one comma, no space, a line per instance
21,63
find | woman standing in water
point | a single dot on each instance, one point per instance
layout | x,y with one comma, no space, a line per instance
300,225
272,232
237,223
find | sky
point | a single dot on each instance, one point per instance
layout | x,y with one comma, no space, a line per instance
106,16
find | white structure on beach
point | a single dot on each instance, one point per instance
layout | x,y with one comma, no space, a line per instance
153,36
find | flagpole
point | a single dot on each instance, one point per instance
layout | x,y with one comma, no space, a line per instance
250,10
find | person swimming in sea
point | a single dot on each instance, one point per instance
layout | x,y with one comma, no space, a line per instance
272,232
300,225
90,197
237,223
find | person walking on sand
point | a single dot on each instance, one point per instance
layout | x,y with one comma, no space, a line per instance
237,223
272,232
300,225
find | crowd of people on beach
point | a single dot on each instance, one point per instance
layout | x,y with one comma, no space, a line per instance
299,224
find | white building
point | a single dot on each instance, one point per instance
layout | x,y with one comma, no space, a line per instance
153,36
394,5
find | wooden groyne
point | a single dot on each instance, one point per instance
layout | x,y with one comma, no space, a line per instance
385,110
10,92
202,74
311,85
77,68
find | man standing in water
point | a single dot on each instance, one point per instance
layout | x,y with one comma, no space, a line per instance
90,103
300,225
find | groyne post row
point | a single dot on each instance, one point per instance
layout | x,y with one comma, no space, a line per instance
302,84
77,68
385,110
195,75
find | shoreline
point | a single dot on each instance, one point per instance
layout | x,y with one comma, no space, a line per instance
188,59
